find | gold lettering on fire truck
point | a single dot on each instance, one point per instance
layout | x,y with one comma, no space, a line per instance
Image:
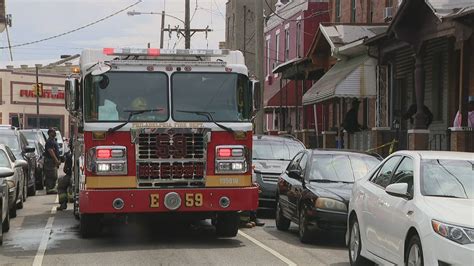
193,200
154,200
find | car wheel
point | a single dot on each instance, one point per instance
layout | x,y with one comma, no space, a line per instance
19,204
12,210
282,223
39,181
227,224
90,225
355,244
303,230
414,252
6,223
32,190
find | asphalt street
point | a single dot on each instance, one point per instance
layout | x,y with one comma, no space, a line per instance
42,236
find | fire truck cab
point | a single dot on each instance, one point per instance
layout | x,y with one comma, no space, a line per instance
162,132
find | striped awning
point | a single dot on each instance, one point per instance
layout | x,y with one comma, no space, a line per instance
354,77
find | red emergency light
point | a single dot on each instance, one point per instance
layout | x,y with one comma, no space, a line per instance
224,152
104,153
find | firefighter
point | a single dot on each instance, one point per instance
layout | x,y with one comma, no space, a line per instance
64,182
51,162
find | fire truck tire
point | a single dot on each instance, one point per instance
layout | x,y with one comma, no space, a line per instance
90,225
227,224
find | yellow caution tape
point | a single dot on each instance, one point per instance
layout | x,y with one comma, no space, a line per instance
391,144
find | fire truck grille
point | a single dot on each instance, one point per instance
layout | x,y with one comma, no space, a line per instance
171,146
171,174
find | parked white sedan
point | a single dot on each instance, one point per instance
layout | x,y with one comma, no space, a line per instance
415,208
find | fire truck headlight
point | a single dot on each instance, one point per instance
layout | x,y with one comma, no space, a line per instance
231,159
107,160
103,167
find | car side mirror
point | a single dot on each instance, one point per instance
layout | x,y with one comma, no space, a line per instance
5,172
29,149
20,163
398,190
294,173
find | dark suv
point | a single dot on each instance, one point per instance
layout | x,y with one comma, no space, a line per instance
18,144
270,157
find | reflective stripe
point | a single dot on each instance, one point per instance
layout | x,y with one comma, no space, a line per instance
228,181
111,182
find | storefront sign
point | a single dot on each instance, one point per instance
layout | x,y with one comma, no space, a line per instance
22,93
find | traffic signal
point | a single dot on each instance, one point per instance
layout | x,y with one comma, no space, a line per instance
38,89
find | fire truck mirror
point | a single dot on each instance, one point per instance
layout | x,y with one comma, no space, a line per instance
71,94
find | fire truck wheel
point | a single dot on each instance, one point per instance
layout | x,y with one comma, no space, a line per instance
90,225
227,224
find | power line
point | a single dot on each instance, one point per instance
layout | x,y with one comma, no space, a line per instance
74,30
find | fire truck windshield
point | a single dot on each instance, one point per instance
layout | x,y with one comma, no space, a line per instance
107,97
227,96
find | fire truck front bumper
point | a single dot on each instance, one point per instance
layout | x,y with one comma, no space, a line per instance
168,200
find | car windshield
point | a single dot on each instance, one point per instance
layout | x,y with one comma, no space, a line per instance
11,141
226,96
341,168
275,150
447,178
4,162
109,96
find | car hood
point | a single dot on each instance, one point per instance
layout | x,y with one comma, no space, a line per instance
338,191
270,166
451,210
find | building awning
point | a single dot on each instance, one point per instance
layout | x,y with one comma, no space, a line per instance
354,77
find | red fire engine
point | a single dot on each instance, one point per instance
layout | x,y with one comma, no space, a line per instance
162,131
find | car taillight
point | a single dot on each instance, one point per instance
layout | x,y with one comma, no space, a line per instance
230,160
107,160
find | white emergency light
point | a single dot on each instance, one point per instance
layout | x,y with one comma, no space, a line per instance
158,52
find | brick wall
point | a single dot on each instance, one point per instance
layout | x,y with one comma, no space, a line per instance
367,11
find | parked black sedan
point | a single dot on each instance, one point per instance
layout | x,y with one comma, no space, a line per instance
314,190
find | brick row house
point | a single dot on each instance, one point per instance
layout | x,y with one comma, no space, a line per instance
288,34
425,60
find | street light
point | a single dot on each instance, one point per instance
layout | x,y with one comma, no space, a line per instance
134,13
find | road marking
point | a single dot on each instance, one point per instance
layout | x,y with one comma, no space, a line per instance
273,252
38,261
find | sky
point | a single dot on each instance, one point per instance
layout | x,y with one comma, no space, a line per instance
37,19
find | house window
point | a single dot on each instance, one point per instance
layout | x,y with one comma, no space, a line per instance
287,44
298,39
269,67
437,87
338,11
277,49
353,11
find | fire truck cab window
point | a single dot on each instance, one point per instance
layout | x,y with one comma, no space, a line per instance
109,96
227,96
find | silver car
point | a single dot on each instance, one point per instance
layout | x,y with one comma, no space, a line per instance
270,157
14,182
5,216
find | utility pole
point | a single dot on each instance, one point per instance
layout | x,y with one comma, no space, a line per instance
162,28
258,62
187,33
